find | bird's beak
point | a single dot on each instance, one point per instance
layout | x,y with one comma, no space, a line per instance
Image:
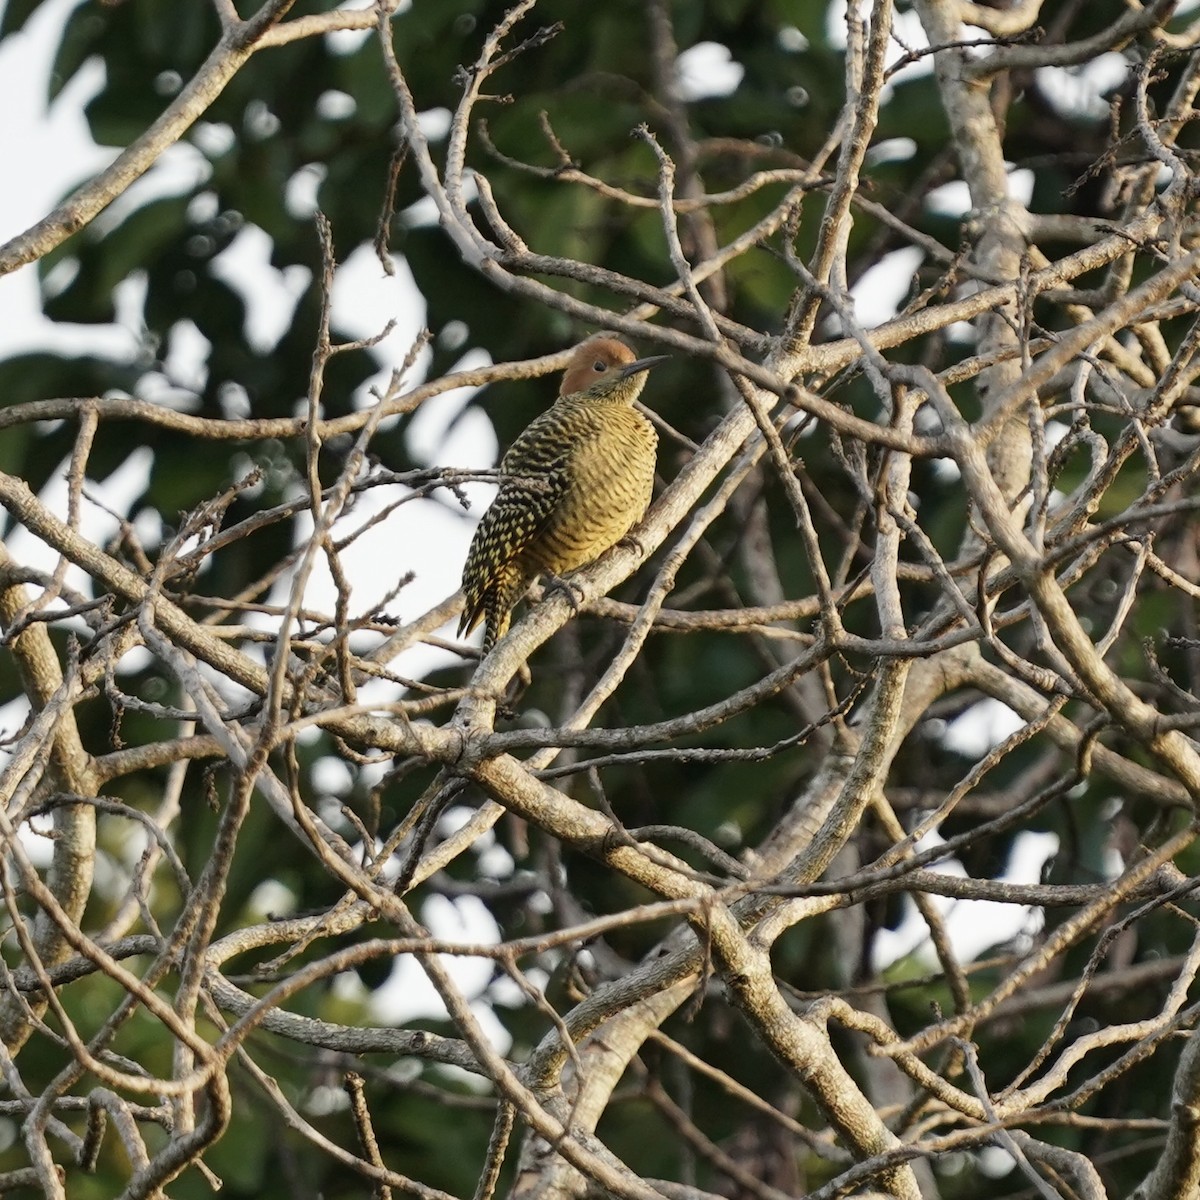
643,364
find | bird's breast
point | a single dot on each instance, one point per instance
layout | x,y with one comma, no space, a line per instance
609,481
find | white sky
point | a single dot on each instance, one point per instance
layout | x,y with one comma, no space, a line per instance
50,151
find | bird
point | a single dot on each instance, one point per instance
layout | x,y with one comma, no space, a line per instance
573,484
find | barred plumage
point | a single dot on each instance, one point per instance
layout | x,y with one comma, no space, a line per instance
575,482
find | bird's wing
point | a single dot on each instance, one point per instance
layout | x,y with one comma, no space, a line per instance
536,476
537,473
524,507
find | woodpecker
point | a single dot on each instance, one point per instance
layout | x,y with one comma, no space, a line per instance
573,485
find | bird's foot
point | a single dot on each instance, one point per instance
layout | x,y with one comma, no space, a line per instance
507,706
631,542
556,583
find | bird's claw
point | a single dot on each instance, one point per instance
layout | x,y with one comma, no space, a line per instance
556,583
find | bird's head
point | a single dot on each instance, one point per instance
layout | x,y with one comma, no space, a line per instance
604,368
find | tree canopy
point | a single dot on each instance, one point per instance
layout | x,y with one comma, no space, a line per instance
706,881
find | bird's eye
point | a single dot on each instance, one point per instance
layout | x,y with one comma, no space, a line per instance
600,366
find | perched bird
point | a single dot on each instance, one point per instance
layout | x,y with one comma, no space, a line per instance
573,485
